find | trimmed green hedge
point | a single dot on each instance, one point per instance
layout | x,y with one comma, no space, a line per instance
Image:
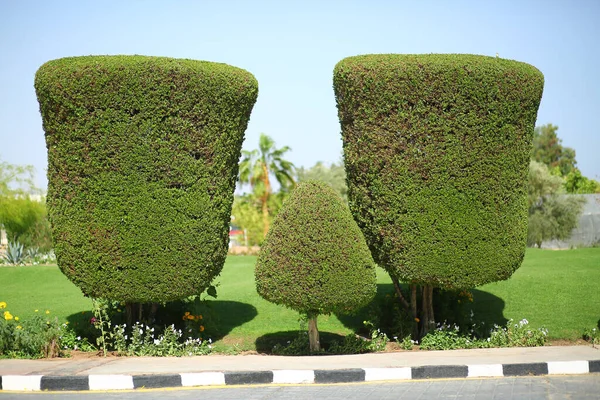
142,163
437,149
315,259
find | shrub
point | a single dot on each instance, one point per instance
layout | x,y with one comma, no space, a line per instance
449,337
142,163
36,337
314,258
436,150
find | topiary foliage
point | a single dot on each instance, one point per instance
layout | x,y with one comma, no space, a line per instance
437,149
142,163
314,258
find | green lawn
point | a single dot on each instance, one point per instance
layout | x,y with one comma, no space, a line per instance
556,289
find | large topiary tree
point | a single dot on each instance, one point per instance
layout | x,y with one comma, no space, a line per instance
314,258
142,164
436,150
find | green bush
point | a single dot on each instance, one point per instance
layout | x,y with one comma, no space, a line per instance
436,149
142,163
314,258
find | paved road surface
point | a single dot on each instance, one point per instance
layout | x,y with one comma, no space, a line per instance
543,387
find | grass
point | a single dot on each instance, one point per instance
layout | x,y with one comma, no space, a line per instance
559,290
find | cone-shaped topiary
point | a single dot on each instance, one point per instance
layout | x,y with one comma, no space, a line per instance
142,163
436,150
315,259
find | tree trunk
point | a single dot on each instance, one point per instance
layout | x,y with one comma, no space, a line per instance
427,317
265,200
130,313
413,308
153,311
313,333
401,298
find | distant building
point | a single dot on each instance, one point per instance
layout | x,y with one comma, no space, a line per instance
587,233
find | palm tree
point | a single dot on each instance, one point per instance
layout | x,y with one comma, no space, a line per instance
258,165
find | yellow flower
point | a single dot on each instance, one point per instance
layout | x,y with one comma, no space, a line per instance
36,310
16,318
7,315
2,304
417,320
67,323
201,329
19,327
47,311
187,313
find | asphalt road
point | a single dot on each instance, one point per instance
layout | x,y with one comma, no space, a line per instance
543,387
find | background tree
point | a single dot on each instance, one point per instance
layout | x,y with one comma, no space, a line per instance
436,151
333,174
552,214
548,149
315,259
17,179
258,166
560,160
246,215
576,183
143,159
23,208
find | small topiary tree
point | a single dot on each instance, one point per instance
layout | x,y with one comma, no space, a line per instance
142,163
436,150
314,258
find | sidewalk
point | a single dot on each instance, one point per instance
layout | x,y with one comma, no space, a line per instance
135,372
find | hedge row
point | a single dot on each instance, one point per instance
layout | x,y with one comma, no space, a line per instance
436,149
142,163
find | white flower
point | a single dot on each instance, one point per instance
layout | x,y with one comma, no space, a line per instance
209,340
78,337
125,337
157,341
141,331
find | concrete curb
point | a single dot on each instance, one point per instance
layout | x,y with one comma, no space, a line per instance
121,382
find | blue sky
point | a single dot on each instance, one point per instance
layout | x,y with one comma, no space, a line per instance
292,46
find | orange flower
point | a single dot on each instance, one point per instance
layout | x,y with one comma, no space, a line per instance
190,317
417,320
201,329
